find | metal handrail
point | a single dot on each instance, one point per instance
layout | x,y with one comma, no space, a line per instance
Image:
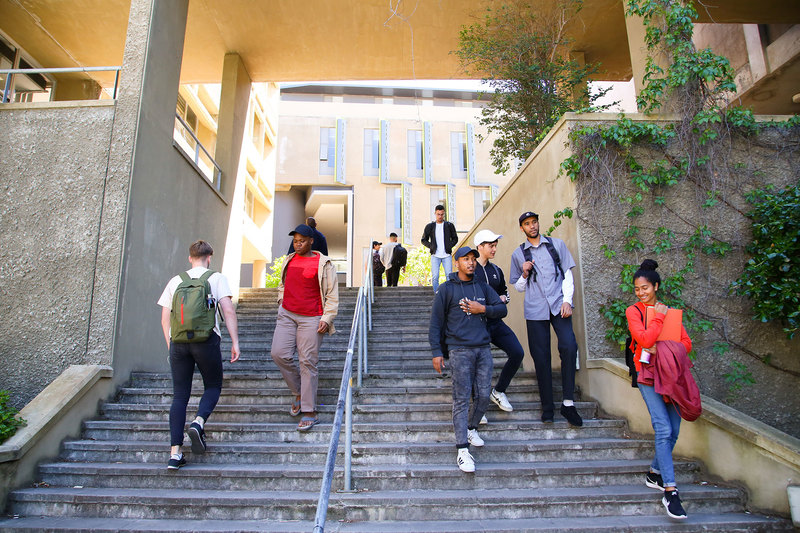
216,178
344,403
57,70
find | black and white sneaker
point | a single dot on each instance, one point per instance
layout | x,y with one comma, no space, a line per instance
672,503
176,461
198,437
654,481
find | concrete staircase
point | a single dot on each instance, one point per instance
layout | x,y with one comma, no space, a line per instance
260,474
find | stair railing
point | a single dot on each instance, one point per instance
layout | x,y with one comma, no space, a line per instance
362,322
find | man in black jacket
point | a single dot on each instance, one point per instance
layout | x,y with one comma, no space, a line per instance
439,237
320,243
458,320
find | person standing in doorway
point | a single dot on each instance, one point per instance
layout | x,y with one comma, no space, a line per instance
439,237
205,355
502,336
541,268
460,311
320,242
308,300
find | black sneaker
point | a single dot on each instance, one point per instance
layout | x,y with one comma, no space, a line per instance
547,417
672,503
198,438
654,481
572,416
176,461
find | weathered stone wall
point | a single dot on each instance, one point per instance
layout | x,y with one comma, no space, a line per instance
53,161
771,158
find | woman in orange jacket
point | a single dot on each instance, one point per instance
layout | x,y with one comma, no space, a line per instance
664,415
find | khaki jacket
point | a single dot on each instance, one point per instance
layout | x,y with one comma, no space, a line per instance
328,288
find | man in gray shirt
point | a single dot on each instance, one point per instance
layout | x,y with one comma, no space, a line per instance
540,267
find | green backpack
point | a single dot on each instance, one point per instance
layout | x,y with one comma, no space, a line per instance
192,318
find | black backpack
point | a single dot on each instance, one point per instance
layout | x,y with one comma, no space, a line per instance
399,257
377,266
629,353
526,253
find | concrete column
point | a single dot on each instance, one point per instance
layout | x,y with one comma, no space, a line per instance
638,50
147,97
755,51
233,118
259,272
579,91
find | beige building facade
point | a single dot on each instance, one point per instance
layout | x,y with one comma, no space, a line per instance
369,161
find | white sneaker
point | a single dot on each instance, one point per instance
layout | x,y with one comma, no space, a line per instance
465,460
500,399
474,439
484,420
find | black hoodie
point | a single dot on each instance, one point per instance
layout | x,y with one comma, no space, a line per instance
452,326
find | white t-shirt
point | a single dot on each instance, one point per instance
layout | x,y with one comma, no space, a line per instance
219,289
440,248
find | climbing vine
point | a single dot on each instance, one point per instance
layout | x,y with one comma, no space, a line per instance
670,164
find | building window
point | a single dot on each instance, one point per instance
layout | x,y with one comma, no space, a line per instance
438,197
372,146
483,199
249,203
327,151
394,210
415,158
458,154
190,117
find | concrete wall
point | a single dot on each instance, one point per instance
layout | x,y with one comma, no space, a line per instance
289,212
52,174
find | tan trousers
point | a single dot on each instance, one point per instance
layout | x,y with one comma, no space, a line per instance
293,331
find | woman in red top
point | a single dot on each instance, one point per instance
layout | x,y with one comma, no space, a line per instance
308,299
665,417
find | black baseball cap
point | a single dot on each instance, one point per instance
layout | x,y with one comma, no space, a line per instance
527,214
376,242
464,250
303,230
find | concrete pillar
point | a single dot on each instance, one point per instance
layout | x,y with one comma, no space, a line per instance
233,117
147,96
638,50
755,51
579,92
259,272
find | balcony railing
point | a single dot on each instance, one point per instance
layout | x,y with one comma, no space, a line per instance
188,142
11,73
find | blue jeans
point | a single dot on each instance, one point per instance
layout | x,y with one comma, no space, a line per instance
539,345
435,262
471,368
182,359
666,422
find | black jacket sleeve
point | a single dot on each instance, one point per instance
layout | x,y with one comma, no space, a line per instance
495,308
502,288
427,236
436,329
453,235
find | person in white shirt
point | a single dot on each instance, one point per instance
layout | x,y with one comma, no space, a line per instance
183,357
440,237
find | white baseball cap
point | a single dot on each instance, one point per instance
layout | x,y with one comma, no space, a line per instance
485,235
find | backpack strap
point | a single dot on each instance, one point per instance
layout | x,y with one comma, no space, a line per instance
207,274
184,276
555,256
528,256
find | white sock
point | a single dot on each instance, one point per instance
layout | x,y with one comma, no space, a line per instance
567,403
200,421
176,456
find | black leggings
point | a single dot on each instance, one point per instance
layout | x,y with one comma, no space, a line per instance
504,338
182,359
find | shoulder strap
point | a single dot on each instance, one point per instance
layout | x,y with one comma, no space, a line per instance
184,276
528,256
555,256
207,274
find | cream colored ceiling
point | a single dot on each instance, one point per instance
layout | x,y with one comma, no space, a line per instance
290,40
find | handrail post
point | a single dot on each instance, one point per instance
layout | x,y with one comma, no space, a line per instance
361,333
348,437
364,341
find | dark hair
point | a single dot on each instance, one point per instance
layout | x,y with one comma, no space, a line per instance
439,207
310,221
393,234
647,270
200,249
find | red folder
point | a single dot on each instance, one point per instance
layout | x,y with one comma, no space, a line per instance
672,324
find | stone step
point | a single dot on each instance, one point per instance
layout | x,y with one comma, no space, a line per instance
370,453
473,503
362,413
374,432
708,522
383,477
